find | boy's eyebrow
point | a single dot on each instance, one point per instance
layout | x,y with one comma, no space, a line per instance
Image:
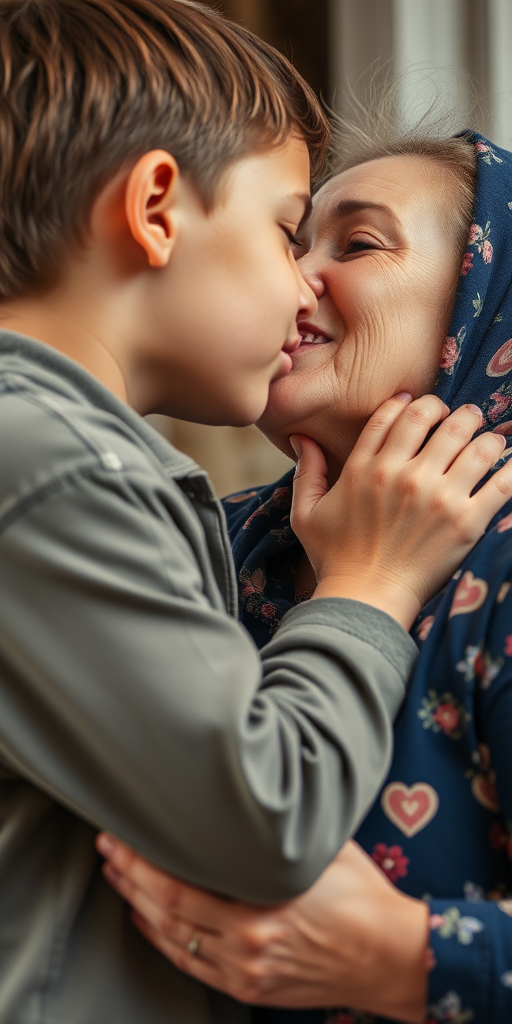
347,206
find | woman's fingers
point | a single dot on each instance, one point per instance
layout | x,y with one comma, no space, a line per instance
166,922
451,438
378,428
195,965
493,495
474,461
408,432
132,874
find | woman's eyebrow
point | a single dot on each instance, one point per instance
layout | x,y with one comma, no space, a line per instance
345,207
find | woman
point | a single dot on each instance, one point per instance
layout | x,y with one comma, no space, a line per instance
379,252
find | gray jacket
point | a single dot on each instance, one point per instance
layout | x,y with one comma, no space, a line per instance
132,700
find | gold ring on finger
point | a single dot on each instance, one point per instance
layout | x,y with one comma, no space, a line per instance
193,945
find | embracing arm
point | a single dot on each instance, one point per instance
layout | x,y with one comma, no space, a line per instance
351,940
134,703
130,697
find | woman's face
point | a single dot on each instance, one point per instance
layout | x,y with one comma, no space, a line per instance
378,252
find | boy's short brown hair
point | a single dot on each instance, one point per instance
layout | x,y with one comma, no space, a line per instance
88,86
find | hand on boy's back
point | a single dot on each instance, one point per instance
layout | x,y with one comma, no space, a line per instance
401,518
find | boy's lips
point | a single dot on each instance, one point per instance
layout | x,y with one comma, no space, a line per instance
292,345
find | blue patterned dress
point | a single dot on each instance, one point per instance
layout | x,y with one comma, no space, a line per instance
441,828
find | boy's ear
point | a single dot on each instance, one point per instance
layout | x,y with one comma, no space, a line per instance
150,201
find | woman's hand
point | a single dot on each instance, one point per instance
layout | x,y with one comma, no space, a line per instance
401,518
351,940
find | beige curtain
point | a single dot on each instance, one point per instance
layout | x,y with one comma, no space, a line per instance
464,44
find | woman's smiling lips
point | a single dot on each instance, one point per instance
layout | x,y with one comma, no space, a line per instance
311,334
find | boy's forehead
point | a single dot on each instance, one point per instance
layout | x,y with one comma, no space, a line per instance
282,172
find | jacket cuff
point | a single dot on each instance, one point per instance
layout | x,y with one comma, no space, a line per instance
362,621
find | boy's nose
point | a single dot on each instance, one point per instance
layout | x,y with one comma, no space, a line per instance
312,276
308,298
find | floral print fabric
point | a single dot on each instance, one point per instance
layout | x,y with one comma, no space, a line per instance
441,829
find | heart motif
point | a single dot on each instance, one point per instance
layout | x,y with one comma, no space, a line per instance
501,361
484,790
469,595
410,808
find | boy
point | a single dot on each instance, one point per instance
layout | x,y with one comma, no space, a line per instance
155,162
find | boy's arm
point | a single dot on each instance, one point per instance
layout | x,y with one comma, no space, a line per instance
134,703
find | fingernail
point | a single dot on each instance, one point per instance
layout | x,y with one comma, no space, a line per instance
106,844
296,445
476,409
403,396
502,438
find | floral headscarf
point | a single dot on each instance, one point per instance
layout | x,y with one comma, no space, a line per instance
476,363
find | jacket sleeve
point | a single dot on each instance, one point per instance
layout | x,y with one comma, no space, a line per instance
144,710
472,940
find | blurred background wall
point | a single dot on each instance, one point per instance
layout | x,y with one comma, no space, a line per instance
465,46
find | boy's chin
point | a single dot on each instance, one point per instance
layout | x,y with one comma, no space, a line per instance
277,418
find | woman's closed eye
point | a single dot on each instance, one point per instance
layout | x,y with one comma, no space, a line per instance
360,245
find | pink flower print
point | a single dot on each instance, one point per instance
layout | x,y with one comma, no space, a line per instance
391,861
436,921
467,263
501,404
252,584
479,237
450,353
281,497
451,350
425,627
268,610
487,153
508,645
479,664
447,717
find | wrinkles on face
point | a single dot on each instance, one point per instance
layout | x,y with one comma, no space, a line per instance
379,255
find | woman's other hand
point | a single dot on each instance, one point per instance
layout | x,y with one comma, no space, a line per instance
401,518
351,940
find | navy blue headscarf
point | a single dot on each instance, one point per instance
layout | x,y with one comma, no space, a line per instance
442,825
476,365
